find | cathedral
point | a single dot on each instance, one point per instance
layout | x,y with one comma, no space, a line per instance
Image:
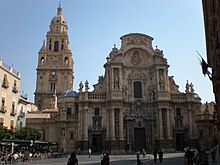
135,105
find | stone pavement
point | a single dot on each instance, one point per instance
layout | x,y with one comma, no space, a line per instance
84,159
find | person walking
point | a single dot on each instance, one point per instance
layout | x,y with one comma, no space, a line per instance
72,160
189,157
101,158
155,156
90,152
106,159
213,153
138,158
160,153
26,156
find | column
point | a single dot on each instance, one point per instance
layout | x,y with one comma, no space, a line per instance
107,77
85,126
160,124
112,124
168,125
107,115
121,124
158,78
190,123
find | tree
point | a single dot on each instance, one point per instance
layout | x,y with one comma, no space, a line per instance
27,133
5,133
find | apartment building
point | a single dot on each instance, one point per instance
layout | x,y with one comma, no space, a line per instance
9,95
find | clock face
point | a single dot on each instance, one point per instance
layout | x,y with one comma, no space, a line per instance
53,73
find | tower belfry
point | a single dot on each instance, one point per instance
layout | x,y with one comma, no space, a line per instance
55,63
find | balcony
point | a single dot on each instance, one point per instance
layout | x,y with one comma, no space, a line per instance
3,110
14,89
72,117
5,84
12,114
178,97
97,96
22,114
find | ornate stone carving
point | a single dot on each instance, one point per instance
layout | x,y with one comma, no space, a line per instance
135,59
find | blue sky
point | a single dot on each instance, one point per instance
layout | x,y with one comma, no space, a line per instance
95,26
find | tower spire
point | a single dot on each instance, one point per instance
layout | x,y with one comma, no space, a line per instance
59,9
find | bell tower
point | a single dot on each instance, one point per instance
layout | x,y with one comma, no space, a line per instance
55,64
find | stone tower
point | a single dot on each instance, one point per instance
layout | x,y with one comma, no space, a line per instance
55,64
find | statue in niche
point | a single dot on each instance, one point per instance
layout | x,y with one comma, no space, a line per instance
124,91
161,80
152,96
138,107
116,79
63,132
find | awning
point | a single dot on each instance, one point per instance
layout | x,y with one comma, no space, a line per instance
52,143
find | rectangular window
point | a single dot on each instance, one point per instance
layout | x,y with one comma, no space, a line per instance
5,81
137,89
178,112
97,111
71,135
12,124
13,108
3,103
52,86
68,110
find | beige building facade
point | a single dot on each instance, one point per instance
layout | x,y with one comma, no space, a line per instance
9,95
135,105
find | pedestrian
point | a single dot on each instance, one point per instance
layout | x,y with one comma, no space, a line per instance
138,158
26,156
89,152
72,160
144,152
155,156
79,151
213,153
189,157
101,158
160,153
106,159
3,159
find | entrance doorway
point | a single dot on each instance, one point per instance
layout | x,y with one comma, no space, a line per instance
180,142
97,143
139,139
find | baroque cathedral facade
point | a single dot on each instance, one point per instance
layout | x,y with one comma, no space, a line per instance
135,105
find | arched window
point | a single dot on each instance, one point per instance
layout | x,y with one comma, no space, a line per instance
42,61
50,44
66,60
56,46
137,89
62,45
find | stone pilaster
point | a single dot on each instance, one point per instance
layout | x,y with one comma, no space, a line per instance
121,124
112,125
168,125
160,122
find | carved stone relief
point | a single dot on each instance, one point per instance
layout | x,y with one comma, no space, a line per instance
135,59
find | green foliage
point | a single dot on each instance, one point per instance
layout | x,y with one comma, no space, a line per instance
5,133
27,133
